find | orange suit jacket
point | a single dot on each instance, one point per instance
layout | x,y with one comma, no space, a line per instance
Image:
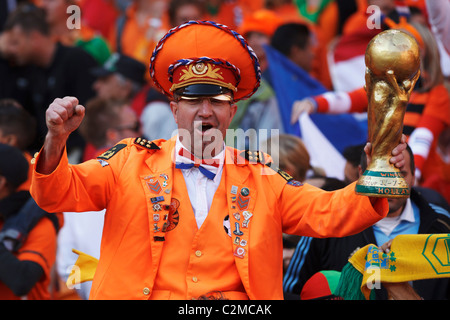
118,181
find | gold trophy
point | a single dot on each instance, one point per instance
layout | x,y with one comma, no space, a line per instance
392,69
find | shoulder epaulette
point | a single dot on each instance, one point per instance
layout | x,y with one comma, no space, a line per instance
253,156
146,144
286,176
111,151
265,159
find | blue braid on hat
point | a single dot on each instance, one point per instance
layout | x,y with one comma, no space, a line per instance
222,27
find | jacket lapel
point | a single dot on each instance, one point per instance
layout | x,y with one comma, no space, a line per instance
157,186
241,199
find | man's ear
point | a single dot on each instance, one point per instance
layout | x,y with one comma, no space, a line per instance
174,109
233,109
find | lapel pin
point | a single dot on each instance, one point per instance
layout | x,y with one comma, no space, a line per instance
239,252
164,176
245,192
237,231
247,215
157,199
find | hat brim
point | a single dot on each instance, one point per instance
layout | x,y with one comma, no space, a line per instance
205,39
201,89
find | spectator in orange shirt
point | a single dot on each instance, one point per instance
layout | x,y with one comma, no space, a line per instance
139,28
358,20
27,234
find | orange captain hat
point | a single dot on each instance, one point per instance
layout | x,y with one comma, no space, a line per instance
204,58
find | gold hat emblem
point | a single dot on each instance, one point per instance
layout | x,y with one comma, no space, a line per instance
200,68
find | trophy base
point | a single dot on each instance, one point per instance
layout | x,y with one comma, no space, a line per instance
382,184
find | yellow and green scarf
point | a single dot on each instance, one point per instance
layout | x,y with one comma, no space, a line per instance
411,257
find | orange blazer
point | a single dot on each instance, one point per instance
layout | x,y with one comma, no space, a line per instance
123,181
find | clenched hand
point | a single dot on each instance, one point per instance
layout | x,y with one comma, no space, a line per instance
64,116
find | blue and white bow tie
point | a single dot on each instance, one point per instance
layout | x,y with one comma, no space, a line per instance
208,167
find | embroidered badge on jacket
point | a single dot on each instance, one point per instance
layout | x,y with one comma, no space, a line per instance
243,201
154,186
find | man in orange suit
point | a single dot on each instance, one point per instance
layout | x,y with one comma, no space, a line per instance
189,216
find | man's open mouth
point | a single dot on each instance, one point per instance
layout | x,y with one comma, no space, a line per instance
205,127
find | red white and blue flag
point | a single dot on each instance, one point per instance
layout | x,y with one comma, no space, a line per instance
325,135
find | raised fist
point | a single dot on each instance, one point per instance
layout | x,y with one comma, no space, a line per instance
64,116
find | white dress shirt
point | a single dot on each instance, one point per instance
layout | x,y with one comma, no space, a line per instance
201,190
388,224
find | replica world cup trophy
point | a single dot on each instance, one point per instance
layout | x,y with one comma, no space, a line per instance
392,69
